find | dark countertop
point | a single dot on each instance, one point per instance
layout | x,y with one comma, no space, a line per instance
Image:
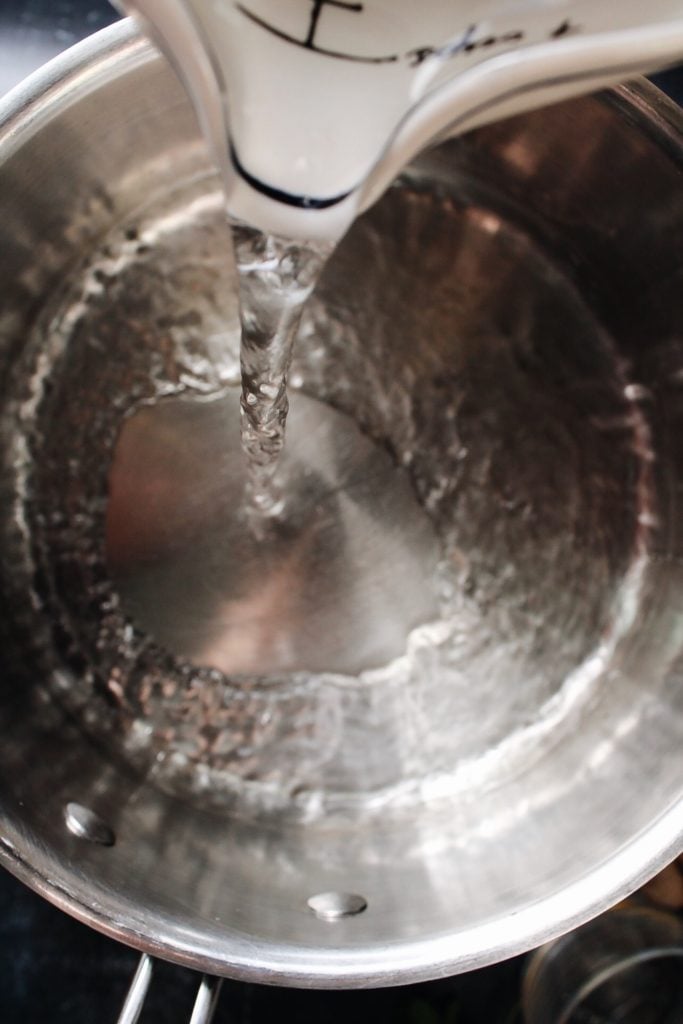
53,969
33,31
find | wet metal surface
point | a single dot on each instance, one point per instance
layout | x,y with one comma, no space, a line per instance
466,508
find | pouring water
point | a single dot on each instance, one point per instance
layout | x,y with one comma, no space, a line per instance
311,107
276,277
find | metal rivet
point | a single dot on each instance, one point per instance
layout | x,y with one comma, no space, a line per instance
85,824
330,906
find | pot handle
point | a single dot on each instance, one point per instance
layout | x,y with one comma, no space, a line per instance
204,1006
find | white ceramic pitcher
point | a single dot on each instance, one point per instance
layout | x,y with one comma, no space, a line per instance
313,106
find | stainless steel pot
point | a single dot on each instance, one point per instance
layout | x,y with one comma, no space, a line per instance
437,718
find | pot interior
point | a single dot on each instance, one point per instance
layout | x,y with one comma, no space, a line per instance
400,733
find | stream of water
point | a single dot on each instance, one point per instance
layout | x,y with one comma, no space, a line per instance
276,277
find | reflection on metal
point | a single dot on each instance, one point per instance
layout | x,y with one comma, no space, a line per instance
332,906
85,824
207,1000
205,1003
137,993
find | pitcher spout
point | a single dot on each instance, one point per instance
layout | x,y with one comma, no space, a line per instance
311,107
